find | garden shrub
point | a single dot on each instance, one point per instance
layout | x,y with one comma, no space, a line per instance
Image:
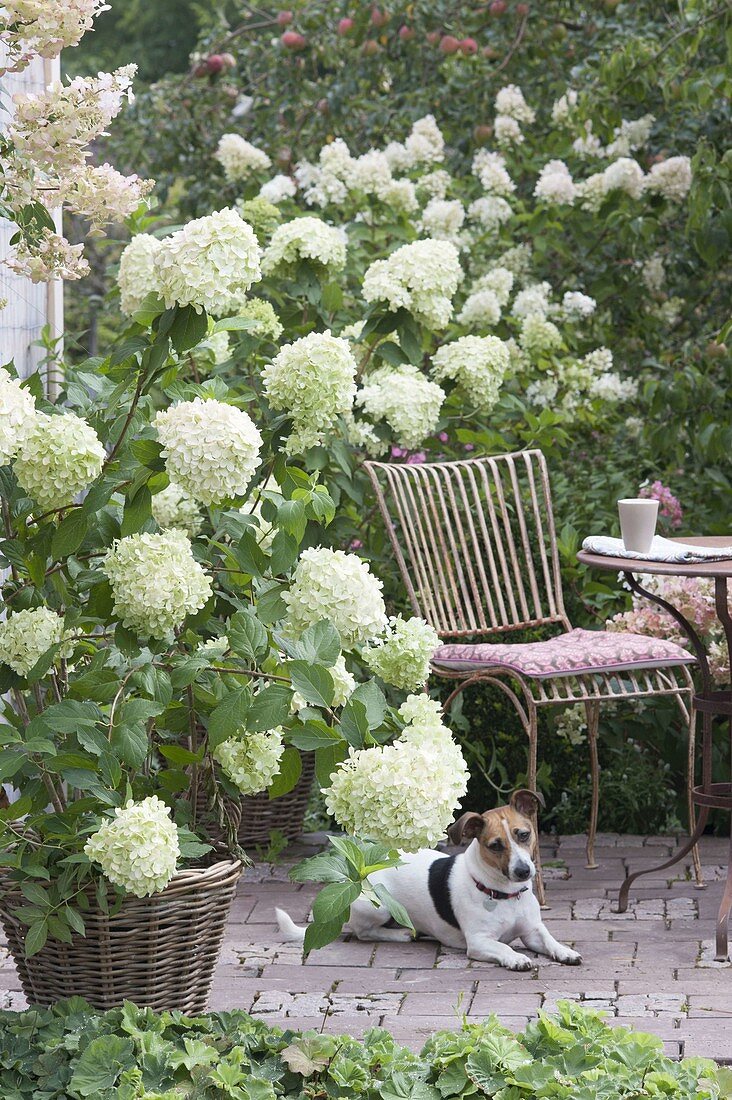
70,1053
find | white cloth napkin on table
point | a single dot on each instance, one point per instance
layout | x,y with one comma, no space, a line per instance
661,550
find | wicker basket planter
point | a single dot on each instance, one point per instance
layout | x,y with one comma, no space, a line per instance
261,815
158,951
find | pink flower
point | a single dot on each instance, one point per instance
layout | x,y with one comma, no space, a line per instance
399,452
416,458
470,446
669,505
355,544
443,437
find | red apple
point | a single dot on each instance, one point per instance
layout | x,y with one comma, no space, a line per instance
433,37
498,7
284,17
449,44
215,63
405,33
379,18
345,26
490,52
201,69
370,47
482,133
522,9
468,46
293,40
229,60
323,107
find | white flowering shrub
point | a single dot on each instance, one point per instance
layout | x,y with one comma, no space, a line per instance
17,412
59,457
138,849
26,636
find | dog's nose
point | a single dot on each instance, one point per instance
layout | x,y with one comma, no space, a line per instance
521,872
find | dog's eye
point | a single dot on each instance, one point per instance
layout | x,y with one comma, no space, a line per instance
496,845
523,835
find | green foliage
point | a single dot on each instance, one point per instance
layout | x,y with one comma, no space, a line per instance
134,1054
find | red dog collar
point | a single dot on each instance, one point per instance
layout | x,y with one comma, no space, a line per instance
498,895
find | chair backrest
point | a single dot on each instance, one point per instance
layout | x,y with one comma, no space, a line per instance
475,541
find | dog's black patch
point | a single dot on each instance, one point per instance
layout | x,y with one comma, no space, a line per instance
438,882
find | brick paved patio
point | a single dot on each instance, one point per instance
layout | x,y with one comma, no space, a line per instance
649,968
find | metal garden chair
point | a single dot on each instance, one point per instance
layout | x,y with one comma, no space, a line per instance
476,546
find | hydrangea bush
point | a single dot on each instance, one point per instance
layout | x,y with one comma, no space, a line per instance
179,627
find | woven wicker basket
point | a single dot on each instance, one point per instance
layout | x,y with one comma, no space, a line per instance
158,951
261,815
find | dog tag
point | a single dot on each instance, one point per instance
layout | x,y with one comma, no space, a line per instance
490,904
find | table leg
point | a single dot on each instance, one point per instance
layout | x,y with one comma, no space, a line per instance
722,954
625,888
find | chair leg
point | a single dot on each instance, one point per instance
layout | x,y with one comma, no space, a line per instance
690,779
592,710
532,732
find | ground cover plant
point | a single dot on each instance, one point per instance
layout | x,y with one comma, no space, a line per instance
132,1054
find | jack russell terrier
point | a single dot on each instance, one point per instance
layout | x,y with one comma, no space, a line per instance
480,899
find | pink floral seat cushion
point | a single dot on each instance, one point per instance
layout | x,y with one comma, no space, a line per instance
571,654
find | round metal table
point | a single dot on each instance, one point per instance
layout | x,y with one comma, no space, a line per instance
708,701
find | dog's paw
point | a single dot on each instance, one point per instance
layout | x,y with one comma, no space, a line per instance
568,957
519,962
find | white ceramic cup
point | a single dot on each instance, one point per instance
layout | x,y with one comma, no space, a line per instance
638,517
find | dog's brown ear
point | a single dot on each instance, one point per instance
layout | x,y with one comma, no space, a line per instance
527,802
465,828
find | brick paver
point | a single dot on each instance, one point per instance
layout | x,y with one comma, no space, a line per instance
651,968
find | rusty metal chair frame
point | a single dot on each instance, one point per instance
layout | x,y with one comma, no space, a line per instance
480,559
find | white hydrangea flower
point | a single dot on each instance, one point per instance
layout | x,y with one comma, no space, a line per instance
629,136
532,300
305,238
510,101
268,325
174,507
481,310
59,457
507,131
215,348
564,107
331,584
344,684
278,189
477,363
499,280
490,211
588,145
252,761
442,219
44,27
592,192
26,635
49,257
614,389
667,312
555,184
17,413
670,178
436,184
517,260
425,144
653,273
370,173
421,277
538,335
400,195
490,168
139,849
542,392
402,657
624,174
403,794
211,449
156,582
313,380
408,402
397,156
576,305
598,361
138,274
210,263
239,158
101,194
